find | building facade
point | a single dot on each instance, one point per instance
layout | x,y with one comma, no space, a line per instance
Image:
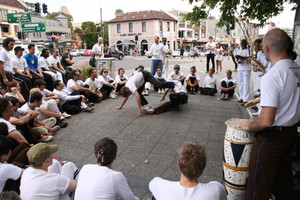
9,29
138,29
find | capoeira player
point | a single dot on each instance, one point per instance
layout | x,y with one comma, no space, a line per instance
135,85
179,97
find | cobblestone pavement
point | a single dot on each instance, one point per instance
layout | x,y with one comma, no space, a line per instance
155,138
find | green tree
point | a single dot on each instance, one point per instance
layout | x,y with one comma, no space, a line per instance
88,27
238,10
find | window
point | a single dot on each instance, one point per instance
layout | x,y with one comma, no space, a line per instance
189,34
174,27
160,26
118,28
168,26
144,27
3,13
130,27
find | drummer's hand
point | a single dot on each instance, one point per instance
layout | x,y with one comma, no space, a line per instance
244,124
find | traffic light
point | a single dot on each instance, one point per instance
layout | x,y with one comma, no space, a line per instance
45,8
228,29
37,8
232,26
21,35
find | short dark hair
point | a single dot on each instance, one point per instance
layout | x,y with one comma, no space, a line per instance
3,129
73,73
30,46
43,52
258,41
5,145
4,102
6,41
124,91
105,151
56,83
121,68
39,82
13,100
36,96
90,71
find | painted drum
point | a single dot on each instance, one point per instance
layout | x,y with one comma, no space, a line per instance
237,148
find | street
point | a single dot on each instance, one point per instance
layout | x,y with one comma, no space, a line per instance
147,145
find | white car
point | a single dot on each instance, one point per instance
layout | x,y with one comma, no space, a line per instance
176,53
75,52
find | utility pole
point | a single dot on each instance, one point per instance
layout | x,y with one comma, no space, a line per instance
101,24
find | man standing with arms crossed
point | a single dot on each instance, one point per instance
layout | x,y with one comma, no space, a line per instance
157,52
210,53
270,167
167,56
98,48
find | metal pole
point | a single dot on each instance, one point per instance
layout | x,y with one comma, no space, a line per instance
101,28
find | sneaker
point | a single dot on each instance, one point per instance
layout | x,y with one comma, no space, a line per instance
61,117
62,124
88,109
159,91
226,97
162,90
223,96
112,96
45,138
146,92
66,115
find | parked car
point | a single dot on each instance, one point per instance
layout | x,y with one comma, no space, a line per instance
200,53
81,51
75,52
87,52
176,53
116,53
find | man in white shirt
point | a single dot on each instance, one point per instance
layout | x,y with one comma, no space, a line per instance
191,162
56,65
168,53
270,167
5,68
97,49
95,95
210,53
244,72
177,75
135,85
39,182
227,86
157,52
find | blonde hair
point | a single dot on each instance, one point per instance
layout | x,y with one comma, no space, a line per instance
33,90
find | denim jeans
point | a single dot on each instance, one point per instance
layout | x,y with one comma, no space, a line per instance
155,64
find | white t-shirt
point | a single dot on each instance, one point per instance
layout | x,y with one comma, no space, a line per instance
53,61
5,58
160,77
190,75
24,108
92,83
157,50
136,81
119,78
229,80
64,96
178,87
8,171
103,78
97,49
280,88
11,94
210,44
210,82
18,63
70,84
243,65
169,190
37,184
46,93
43,63
173,75
9,125
99,182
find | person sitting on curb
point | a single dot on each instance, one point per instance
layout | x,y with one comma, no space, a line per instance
121,79
210,84
177,74
46,178
99,181
176,99
106,84
191,162
135,85
95,96
192,81
162,78
227,86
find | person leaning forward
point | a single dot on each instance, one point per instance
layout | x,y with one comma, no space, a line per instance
270,167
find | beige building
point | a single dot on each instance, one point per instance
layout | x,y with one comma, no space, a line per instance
138,29
9,6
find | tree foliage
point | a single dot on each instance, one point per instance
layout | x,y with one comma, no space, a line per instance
259,10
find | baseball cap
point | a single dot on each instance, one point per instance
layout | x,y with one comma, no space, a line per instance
40,152
177,66
19,48
141,67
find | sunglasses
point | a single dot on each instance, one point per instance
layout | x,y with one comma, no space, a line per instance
105,72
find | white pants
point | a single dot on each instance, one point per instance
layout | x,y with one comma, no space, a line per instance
49,105
166,66
244,84
55,76
257,79
69,170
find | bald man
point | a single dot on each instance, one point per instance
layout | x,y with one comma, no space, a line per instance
98,48
270,168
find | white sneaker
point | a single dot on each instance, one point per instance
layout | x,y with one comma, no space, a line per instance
162,90
61,117
159,91
46,138
112,96
66,115
146,92
148,107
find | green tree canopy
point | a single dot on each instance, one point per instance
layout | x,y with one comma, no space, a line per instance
88,27
233,10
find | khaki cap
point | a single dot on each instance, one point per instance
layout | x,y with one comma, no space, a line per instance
40,152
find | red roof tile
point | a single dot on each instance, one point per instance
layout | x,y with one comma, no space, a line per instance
142,15
14,3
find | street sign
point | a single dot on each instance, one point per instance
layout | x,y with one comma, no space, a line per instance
33,27
15,17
